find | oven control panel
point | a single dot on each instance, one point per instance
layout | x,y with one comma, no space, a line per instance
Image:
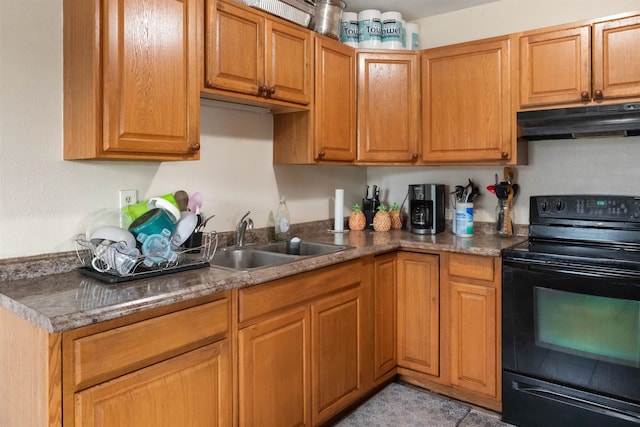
585,207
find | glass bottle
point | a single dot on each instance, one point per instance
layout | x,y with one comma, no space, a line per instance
282,221
504,222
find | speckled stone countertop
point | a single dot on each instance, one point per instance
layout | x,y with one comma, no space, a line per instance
66,300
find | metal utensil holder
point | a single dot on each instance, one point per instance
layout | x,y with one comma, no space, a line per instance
181,257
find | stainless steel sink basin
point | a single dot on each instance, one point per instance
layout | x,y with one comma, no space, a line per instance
247,259
252,257
306,248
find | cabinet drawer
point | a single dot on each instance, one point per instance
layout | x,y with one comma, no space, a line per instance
262,299
472,267
105,355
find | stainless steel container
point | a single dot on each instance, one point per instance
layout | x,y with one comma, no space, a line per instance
327,18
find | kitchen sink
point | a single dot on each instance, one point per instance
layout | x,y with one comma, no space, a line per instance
248,259
253,257
306,248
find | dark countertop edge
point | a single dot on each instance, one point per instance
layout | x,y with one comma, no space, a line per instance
240,279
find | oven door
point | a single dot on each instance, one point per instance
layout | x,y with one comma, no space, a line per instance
576,326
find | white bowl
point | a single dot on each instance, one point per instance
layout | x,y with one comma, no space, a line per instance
113,234
184,228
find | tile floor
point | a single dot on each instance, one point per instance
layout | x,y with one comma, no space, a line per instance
402,405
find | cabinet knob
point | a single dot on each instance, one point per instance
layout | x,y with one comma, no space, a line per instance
505,155
414,157
262,91
321,154
584,95
194,148
598,94
271,91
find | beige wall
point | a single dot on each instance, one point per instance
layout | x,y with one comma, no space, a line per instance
45,201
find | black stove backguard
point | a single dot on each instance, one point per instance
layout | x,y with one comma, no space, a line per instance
571,315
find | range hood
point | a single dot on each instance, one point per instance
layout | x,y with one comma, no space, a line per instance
581,122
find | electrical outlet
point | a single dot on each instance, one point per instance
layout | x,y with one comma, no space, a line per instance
128,197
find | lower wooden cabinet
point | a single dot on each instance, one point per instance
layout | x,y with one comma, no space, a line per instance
172,369
385,315
190,390
449,322
302,346
273,371
418,312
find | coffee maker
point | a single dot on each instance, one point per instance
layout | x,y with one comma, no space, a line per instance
426,208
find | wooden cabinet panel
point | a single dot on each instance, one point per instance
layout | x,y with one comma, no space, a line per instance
473,337
251,53
191,389
258,301
131,84
336,359
326,133
418,312
385,318
234,48
288,70
588,63
388,107
472,267
555,67
616,66
467,112
273,371
335,101
154,340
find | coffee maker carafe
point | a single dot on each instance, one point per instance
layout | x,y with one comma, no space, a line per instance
426,208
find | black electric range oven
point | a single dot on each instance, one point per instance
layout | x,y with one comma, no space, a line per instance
571,314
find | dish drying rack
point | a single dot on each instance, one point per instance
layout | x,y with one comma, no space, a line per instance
297,11
182,259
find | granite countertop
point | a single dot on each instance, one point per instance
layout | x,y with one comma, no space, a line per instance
67,300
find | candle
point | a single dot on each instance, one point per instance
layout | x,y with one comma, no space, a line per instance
339,210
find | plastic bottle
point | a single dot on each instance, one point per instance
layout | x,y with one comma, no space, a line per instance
282,221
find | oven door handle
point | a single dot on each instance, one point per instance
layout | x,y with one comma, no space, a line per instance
581,403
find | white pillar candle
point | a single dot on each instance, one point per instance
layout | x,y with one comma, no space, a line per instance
339,210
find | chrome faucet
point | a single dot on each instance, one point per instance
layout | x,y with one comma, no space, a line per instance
242,227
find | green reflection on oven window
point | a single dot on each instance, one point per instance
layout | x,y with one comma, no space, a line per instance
587,325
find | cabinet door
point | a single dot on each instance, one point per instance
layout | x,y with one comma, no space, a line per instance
288,63
616,64
384,296
234,48
151,90
193,389
388,107
418,312
555,67
473,337
337,333
335,101
467,113
273,371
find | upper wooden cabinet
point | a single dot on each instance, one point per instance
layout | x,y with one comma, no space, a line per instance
131,86
580,64
467,109
326,133
388,107
255,58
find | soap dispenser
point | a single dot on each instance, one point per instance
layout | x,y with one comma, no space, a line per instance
282,223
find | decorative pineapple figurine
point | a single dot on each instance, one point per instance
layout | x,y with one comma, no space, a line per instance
382,219
357,220
396,217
